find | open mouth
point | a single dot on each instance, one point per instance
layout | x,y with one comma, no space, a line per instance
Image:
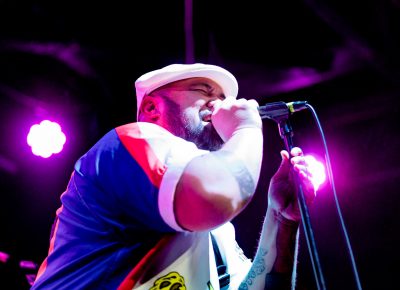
206,116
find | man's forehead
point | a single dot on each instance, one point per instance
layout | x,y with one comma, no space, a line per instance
191,82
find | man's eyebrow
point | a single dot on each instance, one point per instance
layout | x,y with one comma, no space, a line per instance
207,86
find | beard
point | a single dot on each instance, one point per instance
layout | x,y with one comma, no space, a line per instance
205,137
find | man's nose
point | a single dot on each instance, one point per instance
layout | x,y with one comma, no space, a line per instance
213,103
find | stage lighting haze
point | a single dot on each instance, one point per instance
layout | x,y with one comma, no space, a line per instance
317,171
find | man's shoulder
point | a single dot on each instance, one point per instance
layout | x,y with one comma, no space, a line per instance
141,128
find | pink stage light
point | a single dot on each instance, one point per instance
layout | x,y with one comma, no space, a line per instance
46,138
4,257
316,170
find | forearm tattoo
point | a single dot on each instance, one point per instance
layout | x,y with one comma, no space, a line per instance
239,171
257,269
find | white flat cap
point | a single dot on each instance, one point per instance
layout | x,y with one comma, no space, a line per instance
175,72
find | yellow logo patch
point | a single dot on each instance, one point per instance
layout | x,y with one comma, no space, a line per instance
171,281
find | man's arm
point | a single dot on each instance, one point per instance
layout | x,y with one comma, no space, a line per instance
273,263
276,254
215,187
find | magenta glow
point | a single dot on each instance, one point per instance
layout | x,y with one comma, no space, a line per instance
316,170
4,257
46,138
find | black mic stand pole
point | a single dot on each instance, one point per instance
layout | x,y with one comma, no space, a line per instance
286,132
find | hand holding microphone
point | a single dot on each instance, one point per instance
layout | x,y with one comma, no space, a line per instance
231,115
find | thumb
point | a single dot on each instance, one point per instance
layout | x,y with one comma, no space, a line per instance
284,168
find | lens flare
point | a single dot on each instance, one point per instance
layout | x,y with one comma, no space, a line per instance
46,138
316,170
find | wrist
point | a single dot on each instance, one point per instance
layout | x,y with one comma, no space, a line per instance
246,129
285,242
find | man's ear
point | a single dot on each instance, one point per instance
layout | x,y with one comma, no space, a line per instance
150,109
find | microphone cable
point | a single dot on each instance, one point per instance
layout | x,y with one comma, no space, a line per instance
330,176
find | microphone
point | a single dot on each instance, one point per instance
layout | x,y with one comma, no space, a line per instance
279,111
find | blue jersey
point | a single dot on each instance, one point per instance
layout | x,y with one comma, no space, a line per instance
118,204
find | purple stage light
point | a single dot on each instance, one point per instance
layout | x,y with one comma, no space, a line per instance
30,278
29,265
4,257
46,138
316,170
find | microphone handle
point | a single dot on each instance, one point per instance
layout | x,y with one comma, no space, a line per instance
279,111
274,111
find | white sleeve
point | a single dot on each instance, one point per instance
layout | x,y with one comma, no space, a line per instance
180,153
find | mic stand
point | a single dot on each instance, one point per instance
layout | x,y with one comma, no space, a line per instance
286,133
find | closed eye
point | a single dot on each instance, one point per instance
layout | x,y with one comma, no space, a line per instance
206,90
202,91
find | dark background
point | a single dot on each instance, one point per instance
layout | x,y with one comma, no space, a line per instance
75,62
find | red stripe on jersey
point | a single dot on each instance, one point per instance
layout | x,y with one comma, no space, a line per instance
43,266
131,137
140,268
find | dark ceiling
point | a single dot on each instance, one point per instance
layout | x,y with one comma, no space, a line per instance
75,62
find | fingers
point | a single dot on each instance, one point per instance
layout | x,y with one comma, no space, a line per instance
253,104
301,166
228,102
214,104
283,188
296,151
302,170
298,161
230,115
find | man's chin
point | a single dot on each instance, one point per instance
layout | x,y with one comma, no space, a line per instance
209,139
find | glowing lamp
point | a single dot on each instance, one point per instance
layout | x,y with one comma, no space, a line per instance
316,170
46,139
